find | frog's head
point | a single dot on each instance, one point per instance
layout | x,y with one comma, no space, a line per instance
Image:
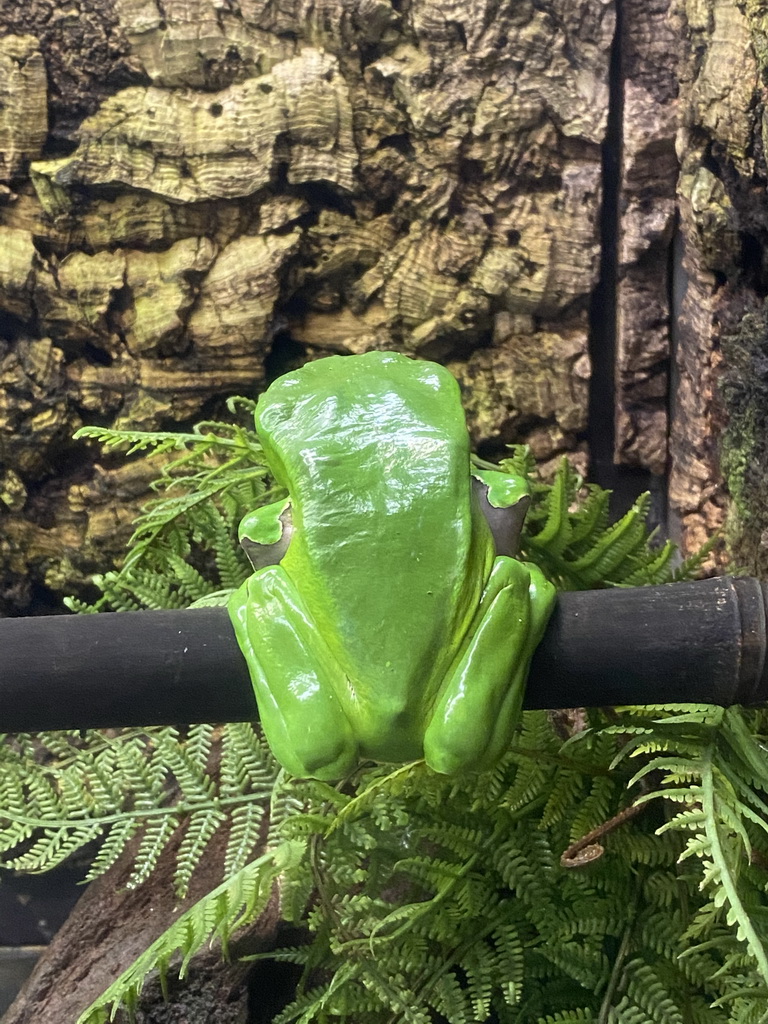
340,410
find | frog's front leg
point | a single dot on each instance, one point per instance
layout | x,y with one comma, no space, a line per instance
480,703
296,681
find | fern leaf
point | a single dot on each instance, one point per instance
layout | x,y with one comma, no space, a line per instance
199,830
648,991
556,531
117,840
54,847
614,546
479,965
157,836
578,1016
243,836
726,886
450,1000
591,519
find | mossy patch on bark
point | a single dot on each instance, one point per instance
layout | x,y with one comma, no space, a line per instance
744,390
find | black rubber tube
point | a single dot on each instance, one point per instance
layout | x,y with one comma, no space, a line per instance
700,642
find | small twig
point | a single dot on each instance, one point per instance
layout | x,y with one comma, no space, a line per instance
587,849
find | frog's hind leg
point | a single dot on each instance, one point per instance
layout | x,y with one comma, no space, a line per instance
296,681
480,705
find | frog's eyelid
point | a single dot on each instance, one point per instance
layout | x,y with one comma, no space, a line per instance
506,523
262,555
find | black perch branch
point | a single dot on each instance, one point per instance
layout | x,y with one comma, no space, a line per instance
698,642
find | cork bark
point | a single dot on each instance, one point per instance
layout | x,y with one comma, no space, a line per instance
723,223
217,192
691,236
647,181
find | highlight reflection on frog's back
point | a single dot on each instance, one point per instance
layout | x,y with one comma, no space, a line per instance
377,446
372,459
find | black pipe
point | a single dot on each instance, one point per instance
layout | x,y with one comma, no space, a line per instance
700,642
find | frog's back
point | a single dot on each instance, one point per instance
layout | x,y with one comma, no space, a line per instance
374,451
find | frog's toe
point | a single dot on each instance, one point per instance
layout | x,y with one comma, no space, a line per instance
449,758
328,758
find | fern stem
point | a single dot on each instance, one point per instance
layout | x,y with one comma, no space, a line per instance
618,966
113,438
718,856
150,812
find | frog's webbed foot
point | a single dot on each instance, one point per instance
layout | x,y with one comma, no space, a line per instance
480,704
266,532
296,680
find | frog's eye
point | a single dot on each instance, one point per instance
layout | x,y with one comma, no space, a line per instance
260,554
506,523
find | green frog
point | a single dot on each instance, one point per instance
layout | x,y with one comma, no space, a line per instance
391,629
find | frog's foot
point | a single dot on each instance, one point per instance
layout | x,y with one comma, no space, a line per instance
479,708
294,676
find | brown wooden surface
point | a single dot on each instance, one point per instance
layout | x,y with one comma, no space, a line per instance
224,191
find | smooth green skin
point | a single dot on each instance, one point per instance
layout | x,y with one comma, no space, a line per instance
390,629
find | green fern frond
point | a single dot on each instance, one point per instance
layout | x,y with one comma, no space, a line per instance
595,808
113,846
592,518
157,835
578,1016
647,990
451,1000
245,833
565,789
568,535
555,534
203,492
53,848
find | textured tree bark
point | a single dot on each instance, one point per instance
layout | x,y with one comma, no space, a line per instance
647,179
690,261
723,224
222,189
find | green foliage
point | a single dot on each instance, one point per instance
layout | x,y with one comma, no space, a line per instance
59,792
568,535
183,549
425,898
241,897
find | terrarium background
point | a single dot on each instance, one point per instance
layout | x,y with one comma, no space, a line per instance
562,200
200,194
